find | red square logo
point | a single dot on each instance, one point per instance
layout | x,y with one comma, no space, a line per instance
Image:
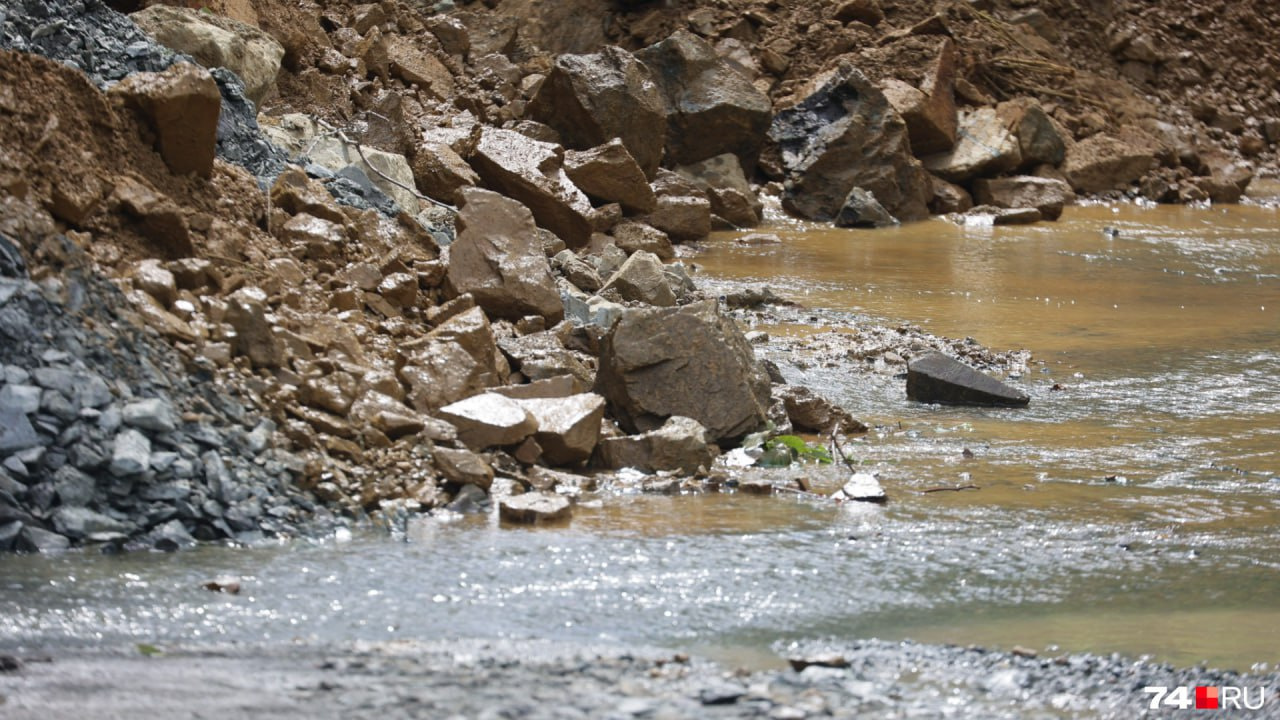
1206,698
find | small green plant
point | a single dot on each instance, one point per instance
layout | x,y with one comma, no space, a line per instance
797,449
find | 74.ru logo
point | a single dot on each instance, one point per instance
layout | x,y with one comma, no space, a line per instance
1206,697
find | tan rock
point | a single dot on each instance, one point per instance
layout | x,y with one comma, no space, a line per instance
609,173
216,41
181,106
456,360
633,236
498,260
591,99
489,420
558,386
1044,194
1102,162
296,193
722,179
400,289
440,172
680,444
568,428
535,508
532,172
162,221
333,393
246,312
313,237
641,279
811,413
156,316
463,467
414,65
984,147
153,279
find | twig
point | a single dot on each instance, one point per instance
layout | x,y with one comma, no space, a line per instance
838,449
360,150
957,488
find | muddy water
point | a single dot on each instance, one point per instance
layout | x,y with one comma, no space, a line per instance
1166,339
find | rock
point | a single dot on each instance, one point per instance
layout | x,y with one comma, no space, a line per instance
559,386
34,539
9,532
153,279
568,428
681,444
440,172
984,146
936,378
726,186
12,264
863,11
843,135
535,508
387,414
181,106
930,110
577,271
489,420
296,193
131,454
497,259
150,414
948,197
864,487
862,210
415,65
247,313
302,135
456,360
992,215
160,219
1039,141
74,487
16,432
463,467
691,361
400,289
543,355
808,412
1102,162
532,172
591,99
712,108
217,41
609,173
641,279
24,399
1044,194
79,523
634,236
683,211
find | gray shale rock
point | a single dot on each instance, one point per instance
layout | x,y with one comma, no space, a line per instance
937,378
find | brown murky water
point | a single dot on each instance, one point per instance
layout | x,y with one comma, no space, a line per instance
1165,336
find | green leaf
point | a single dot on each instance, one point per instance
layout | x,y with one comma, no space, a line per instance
149,650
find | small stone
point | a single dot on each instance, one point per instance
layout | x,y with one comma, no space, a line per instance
24,399
464,467
79,523
936,378
16,432
864,487
535,508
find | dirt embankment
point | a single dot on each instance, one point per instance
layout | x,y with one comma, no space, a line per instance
461,286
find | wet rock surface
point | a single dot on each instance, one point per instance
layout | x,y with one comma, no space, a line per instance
937,378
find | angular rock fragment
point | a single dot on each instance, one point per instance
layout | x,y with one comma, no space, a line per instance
489,420
691,361
984,146
568,428
680,444
641,279
863,487
937,378
181,106
535,508
609,173
1047,195
464,467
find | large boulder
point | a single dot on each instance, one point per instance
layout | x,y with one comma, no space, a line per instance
712,108
568,427
456,360
1102,162
843,135
498,259
532,172
181,105
984,147
691,361
609,173
1047,195
930,108
681,444
217,41
937,378
591,99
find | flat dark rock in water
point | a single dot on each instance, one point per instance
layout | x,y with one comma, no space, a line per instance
936,378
